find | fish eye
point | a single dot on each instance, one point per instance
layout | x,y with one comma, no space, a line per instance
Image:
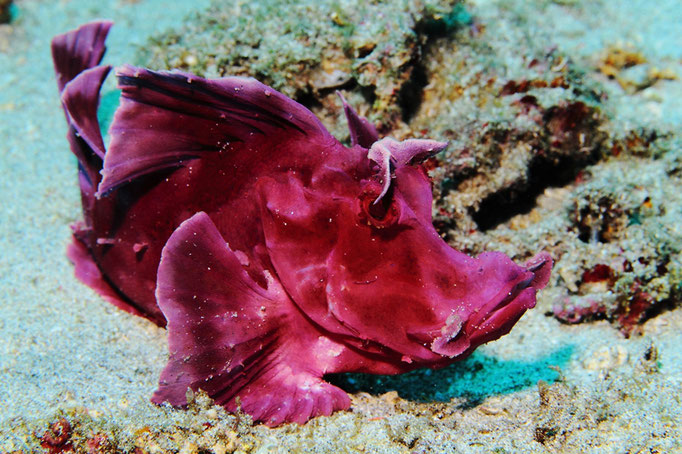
381,214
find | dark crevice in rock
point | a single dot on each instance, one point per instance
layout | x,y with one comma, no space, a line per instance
308,99
569,141
543,173
368,94
321,93
5,11
428,31
412,92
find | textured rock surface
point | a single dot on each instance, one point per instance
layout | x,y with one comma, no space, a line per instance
307,50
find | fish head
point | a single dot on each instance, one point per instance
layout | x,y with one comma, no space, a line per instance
358,253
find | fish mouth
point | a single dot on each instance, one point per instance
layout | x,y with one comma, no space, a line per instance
491,323
541,267
497,317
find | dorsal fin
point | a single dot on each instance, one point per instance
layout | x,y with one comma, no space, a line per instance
76,55
167,118
362,132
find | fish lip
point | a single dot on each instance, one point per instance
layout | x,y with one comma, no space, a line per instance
535,276
473,332
541,267
508,300
457,336
480,317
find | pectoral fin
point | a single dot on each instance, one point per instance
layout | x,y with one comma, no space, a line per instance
233,338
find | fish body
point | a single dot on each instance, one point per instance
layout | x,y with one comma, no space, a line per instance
272,253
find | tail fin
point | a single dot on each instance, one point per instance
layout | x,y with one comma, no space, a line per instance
75,51
76,56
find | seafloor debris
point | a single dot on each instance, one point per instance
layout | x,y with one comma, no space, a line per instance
628,266
616,61
617,58
57,438
212,430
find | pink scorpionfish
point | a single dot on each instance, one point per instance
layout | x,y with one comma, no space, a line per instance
272,253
